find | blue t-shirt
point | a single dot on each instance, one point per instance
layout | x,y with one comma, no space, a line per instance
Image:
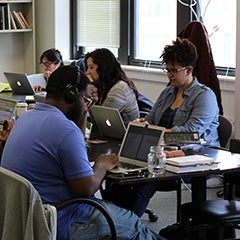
48,149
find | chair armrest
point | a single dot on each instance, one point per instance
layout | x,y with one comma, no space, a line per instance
98,206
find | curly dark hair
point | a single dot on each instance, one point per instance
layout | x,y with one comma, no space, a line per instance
182,52
109,70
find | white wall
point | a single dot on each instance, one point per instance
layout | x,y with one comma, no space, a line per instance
52,26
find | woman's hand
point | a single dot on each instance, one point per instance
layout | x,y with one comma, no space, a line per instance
47,74
37,88
141,120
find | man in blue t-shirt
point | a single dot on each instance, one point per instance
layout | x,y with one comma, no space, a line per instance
47,147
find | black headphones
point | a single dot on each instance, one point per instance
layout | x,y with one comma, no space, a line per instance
70,92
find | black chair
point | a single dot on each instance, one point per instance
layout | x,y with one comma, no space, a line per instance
225,132
98,206
212,219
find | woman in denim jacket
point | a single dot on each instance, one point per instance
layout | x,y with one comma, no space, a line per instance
184,105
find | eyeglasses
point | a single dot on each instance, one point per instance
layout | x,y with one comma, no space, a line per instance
46,64
174,70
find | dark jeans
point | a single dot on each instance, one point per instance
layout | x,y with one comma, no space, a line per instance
136,197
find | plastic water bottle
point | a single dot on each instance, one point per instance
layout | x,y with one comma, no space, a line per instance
156,160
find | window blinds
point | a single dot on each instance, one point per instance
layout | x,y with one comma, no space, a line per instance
98,23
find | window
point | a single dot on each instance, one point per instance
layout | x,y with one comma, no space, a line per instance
147,26
98,24
156,26
219,17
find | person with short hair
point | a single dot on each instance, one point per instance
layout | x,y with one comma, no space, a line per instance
185,105
50,60
47,147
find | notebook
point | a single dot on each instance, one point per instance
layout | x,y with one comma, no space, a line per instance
7,109
135,146
192,163
109,121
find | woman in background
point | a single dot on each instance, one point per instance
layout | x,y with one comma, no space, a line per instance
50,60
115,89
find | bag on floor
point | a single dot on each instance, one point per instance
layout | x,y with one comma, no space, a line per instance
4,133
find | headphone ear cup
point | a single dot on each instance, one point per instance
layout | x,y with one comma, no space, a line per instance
70,93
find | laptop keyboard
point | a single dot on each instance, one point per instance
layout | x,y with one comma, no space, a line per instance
128,165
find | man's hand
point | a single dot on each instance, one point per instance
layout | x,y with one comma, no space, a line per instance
108,161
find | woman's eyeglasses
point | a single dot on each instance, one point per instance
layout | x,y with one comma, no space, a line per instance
174,70
46,64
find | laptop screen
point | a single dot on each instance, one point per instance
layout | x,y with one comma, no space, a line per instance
138,139
7,107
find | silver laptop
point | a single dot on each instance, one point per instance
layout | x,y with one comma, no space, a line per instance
19,83
109,121
7,110
136,144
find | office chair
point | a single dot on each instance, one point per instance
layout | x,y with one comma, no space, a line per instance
225,132
23,216
212,219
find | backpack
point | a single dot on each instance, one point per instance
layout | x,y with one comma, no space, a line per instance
4,133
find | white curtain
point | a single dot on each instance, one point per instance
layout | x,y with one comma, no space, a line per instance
98,23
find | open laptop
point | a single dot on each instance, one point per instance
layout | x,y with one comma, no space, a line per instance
108,121
7,109
135,146
19,83
22,84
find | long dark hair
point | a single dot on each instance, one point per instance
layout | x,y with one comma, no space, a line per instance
109,70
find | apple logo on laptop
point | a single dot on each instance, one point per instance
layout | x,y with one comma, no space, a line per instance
108,123
19,84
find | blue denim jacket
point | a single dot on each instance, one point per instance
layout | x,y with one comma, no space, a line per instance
198,112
